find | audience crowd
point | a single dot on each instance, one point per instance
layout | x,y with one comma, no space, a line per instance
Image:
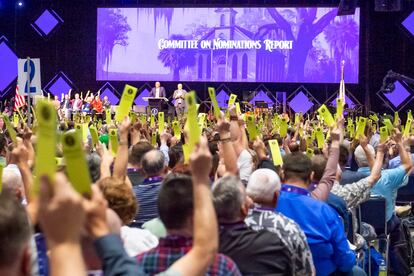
225,208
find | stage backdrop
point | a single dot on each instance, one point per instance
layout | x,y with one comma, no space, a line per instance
227,44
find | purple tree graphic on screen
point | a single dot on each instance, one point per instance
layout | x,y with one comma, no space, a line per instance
308,31
177,59
113,28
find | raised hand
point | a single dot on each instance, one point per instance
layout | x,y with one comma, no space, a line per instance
201,159
95,208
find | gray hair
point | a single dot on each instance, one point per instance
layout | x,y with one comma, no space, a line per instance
153,162
15,230
361,157
12,181
262,185
228,198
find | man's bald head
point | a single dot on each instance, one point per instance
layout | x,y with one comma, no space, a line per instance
153,163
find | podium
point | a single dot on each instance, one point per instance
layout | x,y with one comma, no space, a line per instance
156,105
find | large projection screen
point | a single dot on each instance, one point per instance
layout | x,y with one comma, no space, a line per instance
227,44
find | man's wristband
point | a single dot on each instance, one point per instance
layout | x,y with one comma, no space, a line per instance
234,118
123,143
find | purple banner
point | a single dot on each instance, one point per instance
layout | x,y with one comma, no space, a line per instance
227,44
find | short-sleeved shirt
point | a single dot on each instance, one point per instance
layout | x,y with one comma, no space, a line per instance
289,233
146,194
387,186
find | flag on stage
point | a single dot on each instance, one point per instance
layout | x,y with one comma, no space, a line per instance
19,100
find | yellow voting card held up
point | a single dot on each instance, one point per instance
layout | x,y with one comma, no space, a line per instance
194,132
108,116
212,94
76,165
251,127
232,99
275,150
10,129
383,134
309,152
339,107
388,124
326,115
176,129
125,104
15,119
113,140
320,139
154,139
46,142
94,135
360,129
186,153
407,128
160,122
238,110
283,127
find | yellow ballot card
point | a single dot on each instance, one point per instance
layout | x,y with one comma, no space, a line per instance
297,118
407,128
275,150
154,139
143,119
133,117
326,115
186,153
125,104
251,127
202,119
409,115
396,118
176,129
320,139
15,119
309,141
160,122
374,117
238,110
388,124
152,121
10,129
193,128
212,94
113,140
232,99
351,130
108,116
309,152
383,134
339,107
283,127
46,142
360,129
94,135
76,164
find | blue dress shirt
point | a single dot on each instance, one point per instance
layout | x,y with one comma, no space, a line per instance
387,186
323,228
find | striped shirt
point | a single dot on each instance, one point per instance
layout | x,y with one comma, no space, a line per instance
146,194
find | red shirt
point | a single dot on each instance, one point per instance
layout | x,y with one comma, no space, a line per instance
97,105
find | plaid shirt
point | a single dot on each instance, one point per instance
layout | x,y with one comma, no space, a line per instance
171,248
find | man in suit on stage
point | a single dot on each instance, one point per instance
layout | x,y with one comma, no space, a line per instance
158,91
179,97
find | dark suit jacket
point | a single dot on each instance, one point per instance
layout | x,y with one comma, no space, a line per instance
162,92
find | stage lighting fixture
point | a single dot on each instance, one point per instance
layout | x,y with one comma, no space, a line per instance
387,5
20,3
347,7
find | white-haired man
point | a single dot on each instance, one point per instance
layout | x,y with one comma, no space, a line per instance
264,189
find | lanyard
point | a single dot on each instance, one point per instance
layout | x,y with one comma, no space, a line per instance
294,189
151,180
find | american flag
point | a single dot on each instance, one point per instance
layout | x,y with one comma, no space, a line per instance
19,100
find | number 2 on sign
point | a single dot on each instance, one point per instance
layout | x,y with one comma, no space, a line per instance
32,74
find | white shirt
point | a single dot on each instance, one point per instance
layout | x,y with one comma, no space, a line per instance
137,241
245,165
157,92
75,105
